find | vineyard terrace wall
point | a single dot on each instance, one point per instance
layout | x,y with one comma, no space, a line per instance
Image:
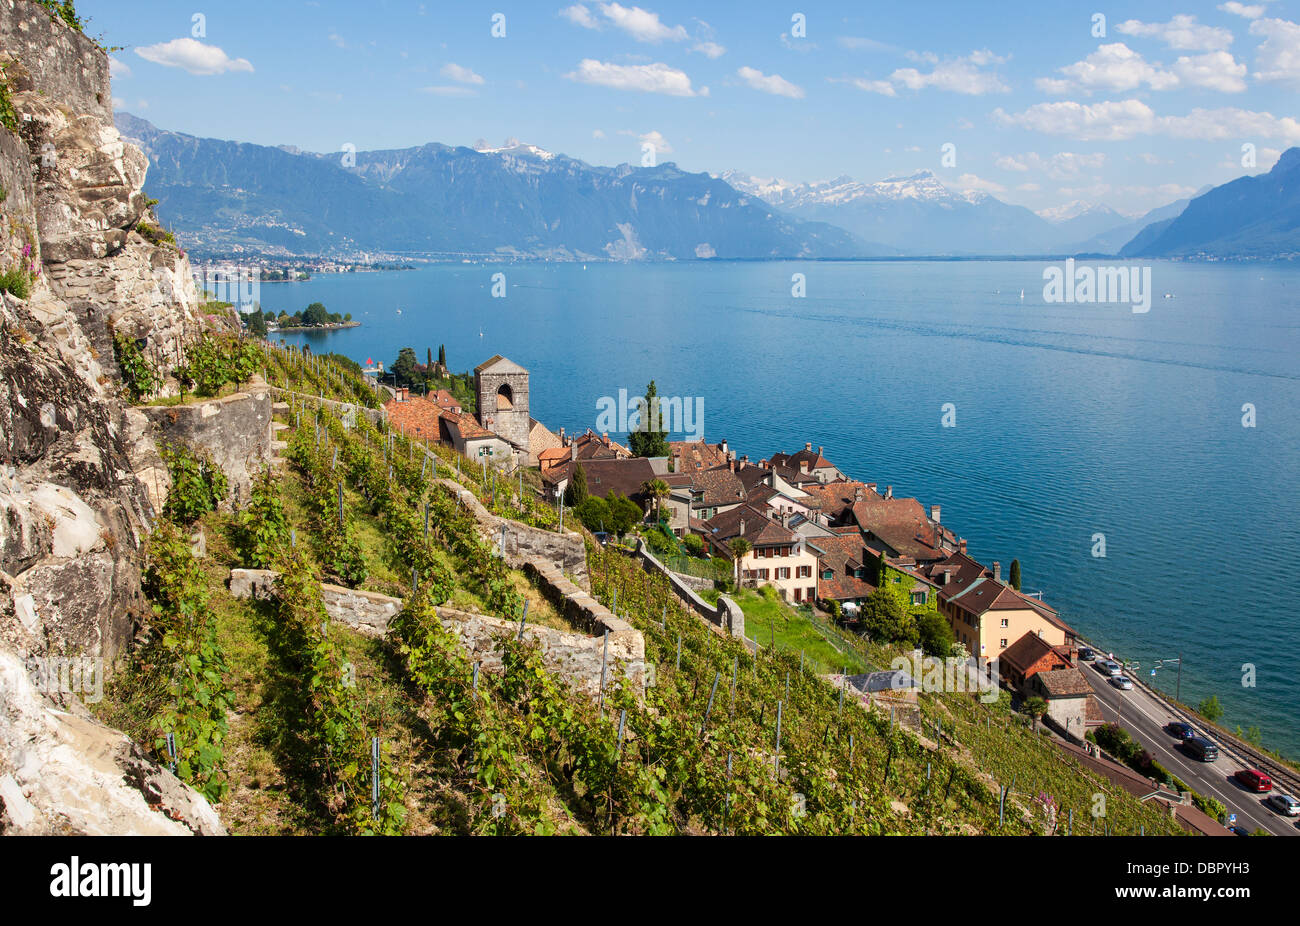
235,430
525,544
726,616
579,658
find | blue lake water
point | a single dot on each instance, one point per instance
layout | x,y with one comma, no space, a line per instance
1071,419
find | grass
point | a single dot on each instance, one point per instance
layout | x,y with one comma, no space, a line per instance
768,617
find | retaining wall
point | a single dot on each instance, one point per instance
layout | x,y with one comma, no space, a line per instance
726,615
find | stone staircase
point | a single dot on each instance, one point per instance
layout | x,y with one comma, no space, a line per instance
278,447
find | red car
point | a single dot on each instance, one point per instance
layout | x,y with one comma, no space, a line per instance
1255,780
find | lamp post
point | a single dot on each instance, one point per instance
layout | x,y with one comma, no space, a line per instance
1178,685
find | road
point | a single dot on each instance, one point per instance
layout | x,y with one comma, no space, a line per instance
1145,716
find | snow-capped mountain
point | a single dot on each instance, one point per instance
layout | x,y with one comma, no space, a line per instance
914,213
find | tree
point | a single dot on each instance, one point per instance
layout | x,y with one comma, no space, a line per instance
347,316
256,324
316,314
694,544
576,492
656,490
645,441
593,512
1210,708
1035,707
1015,574
428,358
269,315
935,633
404,367
623,513
739,546
885,618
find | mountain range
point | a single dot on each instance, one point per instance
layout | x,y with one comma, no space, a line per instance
436,200
521,201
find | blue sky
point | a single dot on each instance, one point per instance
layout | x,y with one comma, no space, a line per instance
1040,110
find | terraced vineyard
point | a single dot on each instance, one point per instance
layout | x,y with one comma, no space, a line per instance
721,740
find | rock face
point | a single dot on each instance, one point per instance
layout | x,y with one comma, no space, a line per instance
80,474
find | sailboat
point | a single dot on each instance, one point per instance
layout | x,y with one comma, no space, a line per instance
399,311
1022,295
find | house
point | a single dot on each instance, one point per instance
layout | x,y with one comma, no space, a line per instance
1028,656
846,569
593,446
688,456
446,401
714,491
677,506
777,556
624,476
807,462
987,615
540,440
1067,694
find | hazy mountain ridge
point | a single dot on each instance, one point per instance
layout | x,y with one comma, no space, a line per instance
439,200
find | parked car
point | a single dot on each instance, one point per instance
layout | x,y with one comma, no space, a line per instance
1122,682
1238,830
1180,730
1284,804
1106,667
1201,748
1087,654
1254,780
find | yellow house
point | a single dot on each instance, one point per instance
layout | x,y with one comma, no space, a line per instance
988,616
777,556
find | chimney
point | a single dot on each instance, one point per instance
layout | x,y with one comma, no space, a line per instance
723,446
742,527
803,466
763,463
889,491
997,571
785,519
857,494
961,545
947,577
573,452
561,436
819,451
731,465
934,514
871,486
745,459
808,446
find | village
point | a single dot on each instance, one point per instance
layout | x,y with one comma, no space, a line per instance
792,523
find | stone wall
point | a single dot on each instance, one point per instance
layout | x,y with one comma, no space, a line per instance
524,543
575,657
235,430
725,616
345,411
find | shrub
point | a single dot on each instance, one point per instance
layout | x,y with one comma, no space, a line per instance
694,544
154,235
17,282
138,374
935,632
198,484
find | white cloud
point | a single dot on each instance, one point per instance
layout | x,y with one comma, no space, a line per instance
709,49
579,15
1029,187
1058,166
193,56
956,75
461,75
646,78
653,137
448,90
597,133
337,40
1278,57
883,87
1149,158
1110,67
1246,11
1121,120
774,84
972,182
1116,67
642,25
118,68
1216,70
1182,32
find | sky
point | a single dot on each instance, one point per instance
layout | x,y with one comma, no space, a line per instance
1039,104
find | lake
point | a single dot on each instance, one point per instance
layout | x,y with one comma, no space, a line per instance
1071,419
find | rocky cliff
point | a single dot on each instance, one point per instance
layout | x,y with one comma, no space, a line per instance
80,474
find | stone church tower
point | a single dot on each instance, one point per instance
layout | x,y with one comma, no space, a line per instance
502,389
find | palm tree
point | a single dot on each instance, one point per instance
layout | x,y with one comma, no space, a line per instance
657,490
1035,708
739,546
